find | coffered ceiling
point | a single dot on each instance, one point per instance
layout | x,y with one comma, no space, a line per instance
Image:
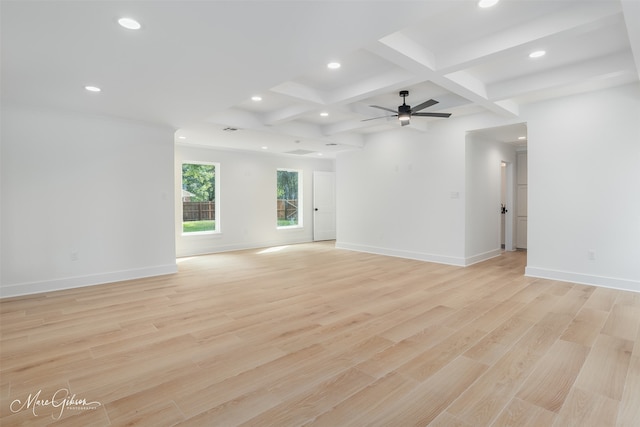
195,65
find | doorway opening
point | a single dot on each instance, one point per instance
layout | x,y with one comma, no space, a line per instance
496,193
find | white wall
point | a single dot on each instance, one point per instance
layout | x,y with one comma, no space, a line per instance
394,197
405,193
584,188
88,187
483,196
247,199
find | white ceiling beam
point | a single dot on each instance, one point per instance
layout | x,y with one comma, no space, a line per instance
562,24
610,66
343,126
366,88
291,112
409,54
631,10
467,80
299,91
405,52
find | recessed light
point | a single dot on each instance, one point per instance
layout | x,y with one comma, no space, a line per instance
537,54
324,114
92,88
182,137
320,154
333,65
264,147
487,3
129,23
522,137
256,98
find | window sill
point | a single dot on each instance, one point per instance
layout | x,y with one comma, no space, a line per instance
202,234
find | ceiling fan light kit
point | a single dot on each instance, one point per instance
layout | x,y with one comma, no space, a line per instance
404,114
405,111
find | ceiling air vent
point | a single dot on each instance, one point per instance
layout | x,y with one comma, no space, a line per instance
230,129
300,152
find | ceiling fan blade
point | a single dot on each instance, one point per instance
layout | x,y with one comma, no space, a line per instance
424,105
376,118
383,108
445,115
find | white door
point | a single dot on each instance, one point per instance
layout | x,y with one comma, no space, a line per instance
324,205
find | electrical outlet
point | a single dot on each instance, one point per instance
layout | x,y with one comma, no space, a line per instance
591,255
74,255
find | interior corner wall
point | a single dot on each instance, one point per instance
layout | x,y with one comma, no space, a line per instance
584,180
403,195
483,191
248,216
85,200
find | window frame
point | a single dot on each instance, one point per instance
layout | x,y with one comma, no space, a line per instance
300,223
218,228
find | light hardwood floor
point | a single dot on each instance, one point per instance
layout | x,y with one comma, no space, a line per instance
313,335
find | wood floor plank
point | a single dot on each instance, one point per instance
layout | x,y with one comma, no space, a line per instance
623,322
573,300
154,413
605,370
586,409
602,299
320,399
585,327
315,335
235,411
523,414
428,363
417,323
629,414
551,381
215,392
428,399
495,344
368,403
483,400
391,358
445,419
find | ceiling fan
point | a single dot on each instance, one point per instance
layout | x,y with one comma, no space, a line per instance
405,112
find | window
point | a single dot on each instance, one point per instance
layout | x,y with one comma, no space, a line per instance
289,198
200,212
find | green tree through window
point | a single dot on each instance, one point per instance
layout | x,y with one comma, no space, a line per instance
199,180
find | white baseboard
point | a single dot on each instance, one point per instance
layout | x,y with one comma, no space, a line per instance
584,279
239,247
420,256
482,257
21,289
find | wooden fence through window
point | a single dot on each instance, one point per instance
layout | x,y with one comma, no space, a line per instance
287,209
198,211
